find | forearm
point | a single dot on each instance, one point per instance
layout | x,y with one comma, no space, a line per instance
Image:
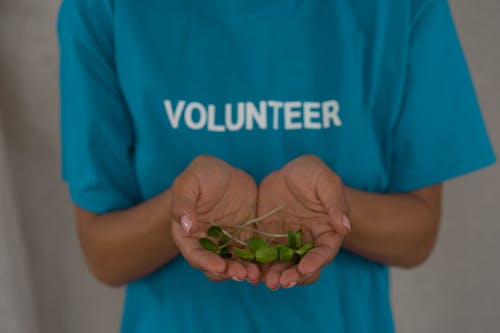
395,229
124,245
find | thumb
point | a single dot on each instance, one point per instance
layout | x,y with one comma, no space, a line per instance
185,193
330,191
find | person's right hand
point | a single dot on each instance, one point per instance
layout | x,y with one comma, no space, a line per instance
212,190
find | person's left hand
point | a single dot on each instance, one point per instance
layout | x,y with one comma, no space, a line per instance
315,201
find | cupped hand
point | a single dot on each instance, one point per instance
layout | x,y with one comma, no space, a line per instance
314,200
211,190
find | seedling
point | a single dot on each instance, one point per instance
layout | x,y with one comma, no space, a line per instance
256,249
244,254
266,255
286,254
208,244
255,243
215,231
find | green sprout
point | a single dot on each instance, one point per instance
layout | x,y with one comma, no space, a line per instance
208,244
286,254
215,231
292,239
255,243
266,255
256,249
304,249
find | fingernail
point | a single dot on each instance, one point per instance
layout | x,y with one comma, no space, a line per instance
237,279
346,222
186,223
252,283
291,284
273,289
217,274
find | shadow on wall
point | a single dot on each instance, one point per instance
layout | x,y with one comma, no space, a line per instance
17,310
29,149
62,288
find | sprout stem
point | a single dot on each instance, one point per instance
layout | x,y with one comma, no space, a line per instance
264,233
257,220
252,221
277,209
231,237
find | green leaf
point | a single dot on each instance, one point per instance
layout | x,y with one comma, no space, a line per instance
265,255
298,238
304,249
279,246
208,244
222,250
292,240
215,231
224,240
243,254
286,254
255,243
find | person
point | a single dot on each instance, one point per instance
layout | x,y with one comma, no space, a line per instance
176,113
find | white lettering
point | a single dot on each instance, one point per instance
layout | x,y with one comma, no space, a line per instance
174,117
276,108
331,114
291,113
311,112
287,115
259,116
240,117
212,127
188,116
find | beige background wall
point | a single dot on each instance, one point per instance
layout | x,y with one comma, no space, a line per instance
455,291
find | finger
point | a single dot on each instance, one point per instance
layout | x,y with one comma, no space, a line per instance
196,255
326,247
185,193
253,273
330,191
273,274
215,277
290,277
236,271
310,279
339,220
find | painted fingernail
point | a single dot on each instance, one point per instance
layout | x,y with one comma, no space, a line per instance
186,223
274,289
237,279
250,282
346,222
291,284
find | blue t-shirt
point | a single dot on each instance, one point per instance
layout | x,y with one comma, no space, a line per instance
379,90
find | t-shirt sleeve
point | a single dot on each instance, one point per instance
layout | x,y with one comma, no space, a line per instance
439,132
96,126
